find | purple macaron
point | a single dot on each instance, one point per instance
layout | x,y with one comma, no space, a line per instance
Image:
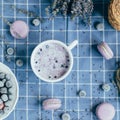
105,50
105,111
51,104
19,29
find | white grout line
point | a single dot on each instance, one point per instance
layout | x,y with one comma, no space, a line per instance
103,59
27,1
60,110
2,33
73,70
78,69
45,30
117,58
72,97
91,71
52,83
80,44
87,84
15,53
75,57
66,37
40,114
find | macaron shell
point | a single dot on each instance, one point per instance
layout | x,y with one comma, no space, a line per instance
105,50
19,29
51,104
105,111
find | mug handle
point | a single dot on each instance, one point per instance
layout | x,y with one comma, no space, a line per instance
73,44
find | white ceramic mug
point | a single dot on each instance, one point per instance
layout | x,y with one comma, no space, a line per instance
36,58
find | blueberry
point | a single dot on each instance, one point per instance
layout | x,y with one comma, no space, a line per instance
11,97
8,76
8,103
19,63
66,116
4,97
82,93
36,22
11,90
1,84
100,26
6,109
2,75
49,77
62,65
3,90
56,61
10,51
68,60
8,84
106,87
55,76
66,66
4,80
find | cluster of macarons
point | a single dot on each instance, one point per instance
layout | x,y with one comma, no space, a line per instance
104,111
5,92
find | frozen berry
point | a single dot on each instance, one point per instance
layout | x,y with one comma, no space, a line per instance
19,63
4,97
8,76
1,84
36,22
8,84
3,90
65,116
10,51
2,75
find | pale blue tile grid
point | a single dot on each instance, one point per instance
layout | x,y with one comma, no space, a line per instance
90,70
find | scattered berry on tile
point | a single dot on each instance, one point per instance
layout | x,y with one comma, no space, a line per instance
82,93
10,51
65,116
100,26
19,62
106,87
36,22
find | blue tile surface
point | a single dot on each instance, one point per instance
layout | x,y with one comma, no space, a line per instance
89,71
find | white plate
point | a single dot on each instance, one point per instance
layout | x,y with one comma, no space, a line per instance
6,70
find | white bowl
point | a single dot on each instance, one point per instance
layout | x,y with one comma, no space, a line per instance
6,70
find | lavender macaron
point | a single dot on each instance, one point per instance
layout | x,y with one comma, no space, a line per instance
105,111
19,29
51,104
105,50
